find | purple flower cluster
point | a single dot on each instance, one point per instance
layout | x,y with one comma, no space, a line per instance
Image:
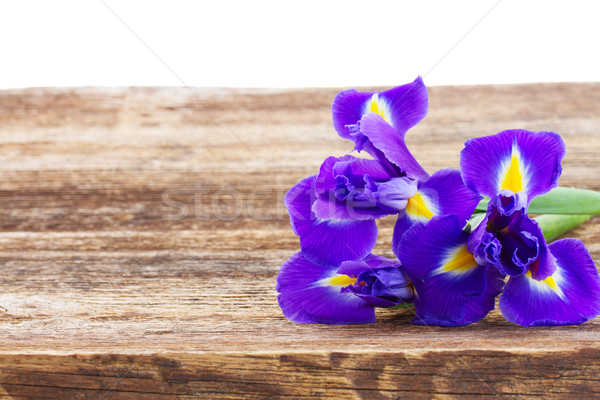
450,272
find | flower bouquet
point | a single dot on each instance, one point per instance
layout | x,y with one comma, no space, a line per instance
461,239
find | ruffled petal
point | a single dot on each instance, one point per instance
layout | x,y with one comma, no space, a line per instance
571,295
510,240
349,166
515,160
521,243
386,287
310,293
442,194
358,189
402,107
327,242
380,281
451,288
390,142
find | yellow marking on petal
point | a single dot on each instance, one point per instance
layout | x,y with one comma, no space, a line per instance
342,280
377,107
417,208
460,261
513,179
548,281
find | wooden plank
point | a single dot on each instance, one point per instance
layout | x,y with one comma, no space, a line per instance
141,231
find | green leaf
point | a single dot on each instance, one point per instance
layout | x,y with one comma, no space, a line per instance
476,220
563,200
560,200
483,204
554,225
402,305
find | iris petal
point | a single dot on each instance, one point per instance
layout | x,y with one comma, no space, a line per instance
443,193
351,188
451,288
327,242
390,143
347,166
308,293
510,240
348,108
571,295
380,281
403,223
361,208
515,160
402,107
407,104
369,263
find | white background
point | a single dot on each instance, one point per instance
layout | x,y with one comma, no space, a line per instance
296,44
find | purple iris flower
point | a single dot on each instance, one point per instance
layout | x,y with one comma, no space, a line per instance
554,284
344,294
377,121
334,213
451,287
457,273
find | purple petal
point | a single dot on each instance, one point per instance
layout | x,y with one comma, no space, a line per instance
520,245
374,300
391,143
380,281
328,208
474,310
403,223
349,166
402,107
385,287
530,231
347,109
451,288
358,189
570,296
511,241
407,104
504,208
487,249
327,242
394,194
307,294
369,263
447,191
516,160
443,193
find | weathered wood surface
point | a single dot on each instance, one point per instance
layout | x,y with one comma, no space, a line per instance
141,231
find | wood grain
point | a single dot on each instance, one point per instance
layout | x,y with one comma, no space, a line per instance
141,231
